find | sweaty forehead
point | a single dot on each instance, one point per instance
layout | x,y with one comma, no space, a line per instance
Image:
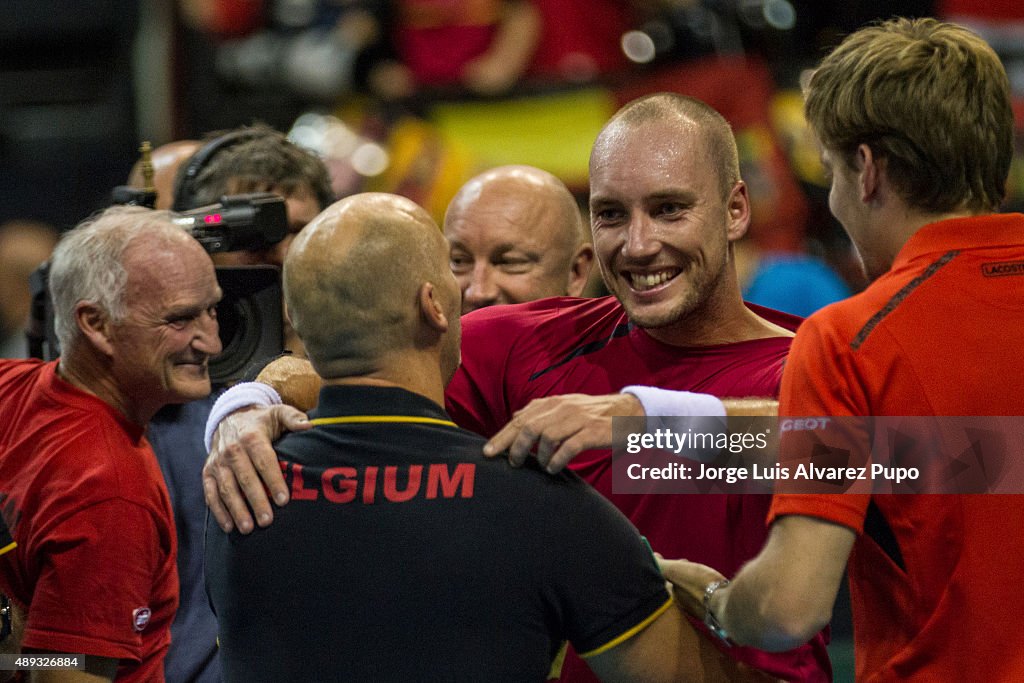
652,157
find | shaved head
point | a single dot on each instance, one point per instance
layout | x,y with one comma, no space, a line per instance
516,235
693,118
352,280
547,194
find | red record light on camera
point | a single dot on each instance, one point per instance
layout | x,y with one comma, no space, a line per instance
212,218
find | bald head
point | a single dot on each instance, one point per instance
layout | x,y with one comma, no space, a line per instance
353,283
166,161
516,235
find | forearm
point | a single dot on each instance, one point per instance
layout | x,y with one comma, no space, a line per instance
517,36
785,595
244,395
678,410
670,403
751,615
284,381
751,407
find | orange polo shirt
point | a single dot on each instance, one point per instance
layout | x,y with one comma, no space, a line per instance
937,581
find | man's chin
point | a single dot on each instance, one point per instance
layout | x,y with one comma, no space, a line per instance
651,317
183,392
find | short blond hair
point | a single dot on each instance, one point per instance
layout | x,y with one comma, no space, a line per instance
930,98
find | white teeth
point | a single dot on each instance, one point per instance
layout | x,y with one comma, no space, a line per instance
649,280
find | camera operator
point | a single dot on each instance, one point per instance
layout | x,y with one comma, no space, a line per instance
244,160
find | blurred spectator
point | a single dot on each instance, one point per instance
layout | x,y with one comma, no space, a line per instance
797,283
23,246
580,39
316,49
482,45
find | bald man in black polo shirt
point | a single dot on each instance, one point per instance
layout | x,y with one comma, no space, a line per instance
404,555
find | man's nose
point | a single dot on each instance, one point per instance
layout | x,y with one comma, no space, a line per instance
641,239
207,335
482,290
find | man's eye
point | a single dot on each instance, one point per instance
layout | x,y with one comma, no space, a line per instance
609,215
515,265
458,262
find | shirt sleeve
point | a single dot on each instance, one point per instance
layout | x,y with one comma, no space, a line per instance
95,584
605,582
820,380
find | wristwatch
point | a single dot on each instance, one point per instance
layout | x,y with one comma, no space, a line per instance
710,620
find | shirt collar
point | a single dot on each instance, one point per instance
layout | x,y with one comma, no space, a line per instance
66,392
352,399
971,232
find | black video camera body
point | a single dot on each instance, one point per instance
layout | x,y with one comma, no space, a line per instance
250,314
240,221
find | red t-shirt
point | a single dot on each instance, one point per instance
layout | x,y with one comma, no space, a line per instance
935,580
437,38
580,39
512,354
84,501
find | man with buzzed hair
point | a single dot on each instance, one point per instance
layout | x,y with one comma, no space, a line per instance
428,573
516,234
666,204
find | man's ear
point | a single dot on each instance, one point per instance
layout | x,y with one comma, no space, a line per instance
738,207
95,325
579,270
871,172
432,308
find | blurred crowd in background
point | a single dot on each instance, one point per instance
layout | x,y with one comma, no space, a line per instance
417,96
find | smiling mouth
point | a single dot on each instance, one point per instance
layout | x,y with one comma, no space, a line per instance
642,282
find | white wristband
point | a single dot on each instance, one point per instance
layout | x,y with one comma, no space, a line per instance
679,411
241,395
667,403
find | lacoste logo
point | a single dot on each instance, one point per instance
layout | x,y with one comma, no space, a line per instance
1002,269
140,618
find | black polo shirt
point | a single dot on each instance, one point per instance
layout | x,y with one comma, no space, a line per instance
406,555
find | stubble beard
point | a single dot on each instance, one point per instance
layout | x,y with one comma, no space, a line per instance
682,313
